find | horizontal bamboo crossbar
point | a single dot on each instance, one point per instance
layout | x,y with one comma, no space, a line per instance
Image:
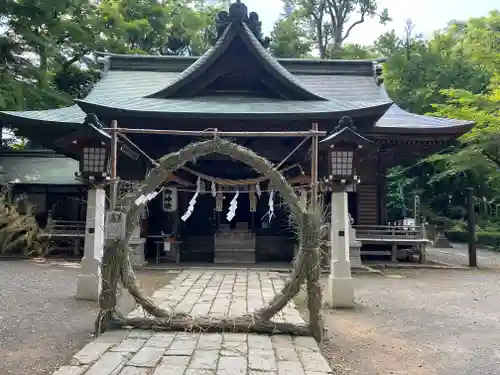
213,132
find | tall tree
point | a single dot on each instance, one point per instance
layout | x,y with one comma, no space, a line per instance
332,21
172,27
455,74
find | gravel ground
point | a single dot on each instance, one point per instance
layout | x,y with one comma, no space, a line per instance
41,323
459,255
419,322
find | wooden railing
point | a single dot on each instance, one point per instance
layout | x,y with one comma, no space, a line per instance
66,228
390,232
406,236
65,232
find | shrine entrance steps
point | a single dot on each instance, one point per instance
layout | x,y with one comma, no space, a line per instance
234,246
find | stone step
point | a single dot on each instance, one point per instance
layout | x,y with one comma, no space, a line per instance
234,250
234,236
234,257
236,244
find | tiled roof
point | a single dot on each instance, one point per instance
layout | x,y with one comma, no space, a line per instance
341,82
71,115
37,168
232,106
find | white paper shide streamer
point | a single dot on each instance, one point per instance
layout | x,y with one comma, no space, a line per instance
143,199
213,189
192,202
271,205
232,207
257,190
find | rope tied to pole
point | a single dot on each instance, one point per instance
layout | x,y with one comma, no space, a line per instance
216,136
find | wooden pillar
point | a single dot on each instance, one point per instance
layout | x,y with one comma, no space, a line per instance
471,228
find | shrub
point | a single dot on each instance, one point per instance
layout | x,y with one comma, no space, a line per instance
19,232
489,239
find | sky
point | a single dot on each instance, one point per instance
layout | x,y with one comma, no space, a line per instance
427,15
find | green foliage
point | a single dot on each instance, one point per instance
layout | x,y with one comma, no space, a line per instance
456,75
46,49
172,27
289,40
330,22
351,52
484,239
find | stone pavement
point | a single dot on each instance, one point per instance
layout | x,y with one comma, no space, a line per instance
202,292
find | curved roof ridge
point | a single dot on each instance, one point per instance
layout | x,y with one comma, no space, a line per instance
400,120
268,62
273,64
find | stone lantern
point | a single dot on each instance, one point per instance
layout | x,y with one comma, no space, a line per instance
341,146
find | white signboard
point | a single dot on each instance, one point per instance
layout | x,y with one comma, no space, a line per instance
170,199
115,225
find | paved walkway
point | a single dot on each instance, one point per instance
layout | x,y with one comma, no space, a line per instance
169,353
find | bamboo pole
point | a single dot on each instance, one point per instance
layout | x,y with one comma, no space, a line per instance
314,295
314,166
215,132
113,191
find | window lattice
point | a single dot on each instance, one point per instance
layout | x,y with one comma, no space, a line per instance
94,159
342,163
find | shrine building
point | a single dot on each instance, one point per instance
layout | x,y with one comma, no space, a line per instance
236,86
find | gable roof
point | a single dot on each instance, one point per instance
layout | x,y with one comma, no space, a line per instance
218,55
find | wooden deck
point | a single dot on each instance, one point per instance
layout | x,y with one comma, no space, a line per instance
398,237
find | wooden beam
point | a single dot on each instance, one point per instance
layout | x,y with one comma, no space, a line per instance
214,132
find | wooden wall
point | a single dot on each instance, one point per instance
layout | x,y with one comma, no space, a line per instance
368,204
368,169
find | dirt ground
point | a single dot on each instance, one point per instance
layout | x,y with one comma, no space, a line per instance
419,322
41,324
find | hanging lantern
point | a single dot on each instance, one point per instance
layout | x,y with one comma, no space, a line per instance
170,199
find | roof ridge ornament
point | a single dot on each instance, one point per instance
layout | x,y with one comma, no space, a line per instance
378,70
238,14
345,122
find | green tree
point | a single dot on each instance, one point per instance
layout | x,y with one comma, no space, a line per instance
455,75
289,39
173,27
352,52
332,21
